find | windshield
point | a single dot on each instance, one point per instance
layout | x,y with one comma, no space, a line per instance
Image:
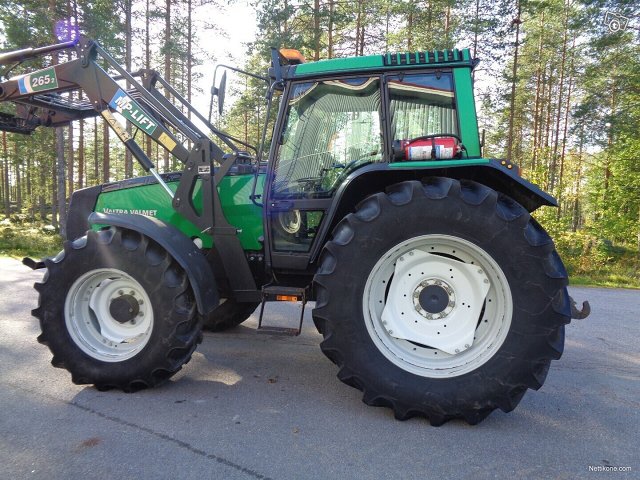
332,127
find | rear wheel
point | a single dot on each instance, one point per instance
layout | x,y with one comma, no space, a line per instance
116,310
454,310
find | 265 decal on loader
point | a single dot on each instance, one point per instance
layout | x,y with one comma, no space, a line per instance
435,290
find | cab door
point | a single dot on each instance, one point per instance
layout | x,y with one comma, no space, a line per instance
329,128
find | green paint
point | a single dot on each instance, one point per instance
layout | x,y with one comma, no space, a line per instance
376,62
39,81
466,111
441,163
340,65
234,191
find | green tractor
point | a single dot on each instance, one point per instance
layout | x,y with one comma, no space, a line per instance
436,292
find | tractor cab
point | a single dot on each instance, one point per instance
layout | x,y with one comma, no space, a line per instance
344,124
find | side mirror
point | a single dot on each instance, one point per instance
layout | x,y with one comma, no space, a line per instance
220,92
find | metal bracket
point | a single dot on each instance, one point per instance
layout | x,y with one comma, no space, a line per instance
579,314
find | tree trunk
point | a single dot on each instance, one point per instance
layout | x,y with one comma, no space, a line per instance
410,27
547,132
566,126
18,182
576,210
189,53
358,23
554,156
96,160
386,28
32,213
476,24
316,30
167,64
362,25
447,26
59,174
5,177
81,151
54,191
128,34
607,161
330,29
536,117
42,179
70,154
147,63
514,74
61,177
106,160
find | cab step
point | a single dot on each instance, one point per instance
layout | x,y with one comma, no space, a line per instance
281,294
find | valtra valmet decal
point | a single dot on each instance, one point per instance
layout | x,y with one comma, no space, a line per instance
132,211
129,109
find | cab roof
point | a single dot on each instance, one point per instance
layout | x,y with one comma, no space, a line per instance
388,61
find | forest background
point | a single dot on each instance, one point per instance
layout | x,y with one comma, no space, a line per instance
557,91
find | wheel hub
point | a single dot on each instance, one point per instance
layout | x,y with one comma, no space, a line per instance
445,291
434,299
124,308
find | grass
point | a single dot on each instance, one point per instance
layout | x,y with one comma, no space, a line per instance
608,280
34,240
587,267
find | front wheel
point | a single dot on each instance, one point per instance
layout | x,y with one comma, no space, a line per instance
460,300
116,310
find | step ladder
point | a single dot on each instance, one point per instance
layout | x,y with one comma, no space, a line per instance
282,294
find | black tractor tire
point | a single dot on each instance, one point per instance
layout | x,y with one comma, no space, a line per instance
459,212
174,327
229,314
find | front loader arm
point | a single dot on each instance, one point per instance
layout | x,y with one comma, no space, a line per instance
40,101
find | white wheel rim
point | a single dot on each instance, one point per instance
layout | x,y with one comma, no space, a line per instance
291,221
89,320
469,323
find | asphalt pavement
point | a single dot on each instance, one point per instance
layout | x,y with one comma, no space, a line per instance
249,406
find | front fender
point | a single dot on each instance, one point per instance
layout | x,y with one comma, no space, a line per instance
179,246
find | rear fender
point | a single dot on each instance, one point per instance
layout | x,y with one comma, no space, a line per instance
498,175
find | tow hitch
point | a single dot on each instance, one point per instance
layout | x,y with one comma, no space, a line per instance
579,314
